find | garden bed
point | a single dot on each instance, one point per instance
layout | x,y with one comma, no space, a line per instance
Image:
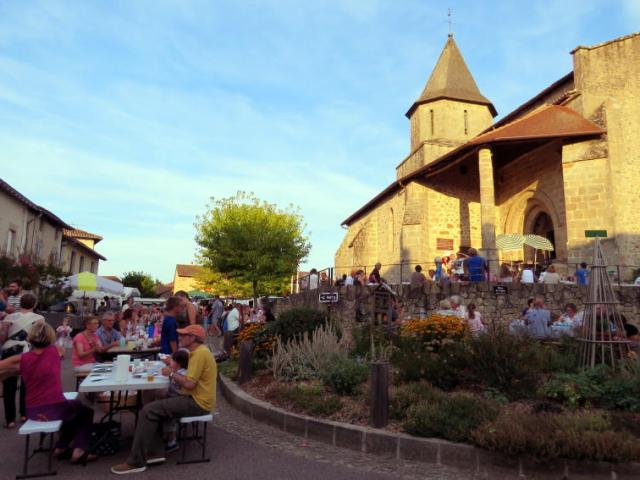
507,394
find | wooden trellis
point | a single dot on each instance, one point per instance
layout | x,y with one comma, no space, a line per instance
603,337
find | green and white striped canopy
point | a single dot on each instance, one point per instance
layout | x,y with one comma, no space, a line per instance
509,241
538,242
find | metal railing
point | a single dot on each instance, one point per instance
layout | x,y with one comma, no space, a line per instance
400,273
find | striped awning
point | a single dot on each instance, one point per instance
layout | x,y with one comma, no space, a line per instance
509,241
538,242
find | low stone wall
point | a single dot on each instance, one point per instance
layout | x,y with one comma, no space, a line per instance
492,307
477,462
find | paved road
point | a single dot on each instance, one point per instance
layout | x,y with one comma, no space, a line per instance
242,449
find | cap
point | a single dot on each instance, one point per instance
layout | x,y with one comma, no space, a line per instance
195,330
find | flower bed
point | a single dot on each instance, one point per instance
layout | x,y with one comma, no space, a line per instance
509,394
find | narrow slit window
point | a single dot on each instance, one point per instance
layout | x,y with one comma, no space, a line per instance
466,122
432,122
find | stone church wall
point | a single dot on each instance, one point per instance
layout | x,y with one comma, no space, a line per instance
529,185
608,78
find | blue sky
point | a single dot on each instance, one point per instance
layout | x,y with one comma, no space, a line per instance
124,117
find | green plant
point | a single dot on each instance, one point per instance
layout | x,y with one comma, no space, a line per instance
404,396
585,435
454,417
444,369
306,357
228,368
511,364
295,322
601,386
344,375
312,399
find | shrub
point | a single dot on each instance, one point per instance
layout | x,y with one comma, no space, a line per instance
601,386
305,358
454,417
587,435
508,363
295,322
404,396
312,399
344,375
263,340
445,369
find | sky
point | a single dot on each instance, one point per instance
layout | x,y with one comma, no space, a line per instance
125,117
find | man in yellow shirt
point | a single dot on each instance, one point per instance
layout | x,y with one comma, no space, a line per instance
199,388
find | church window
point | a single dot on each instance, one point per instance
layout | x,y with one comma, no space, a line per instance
466,122
432,122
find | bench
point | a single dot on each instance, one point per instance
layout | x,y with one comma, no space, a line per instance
43,428
196,435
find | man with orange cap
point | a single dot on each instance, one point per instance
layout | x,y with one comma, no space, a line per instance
199,388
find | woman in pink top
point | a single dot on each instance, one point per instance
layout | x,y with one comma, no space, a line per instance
85,345
41,371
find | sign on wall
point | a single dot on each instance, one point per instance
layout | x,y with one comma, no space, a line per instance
595,234
444,244
500,290
329,297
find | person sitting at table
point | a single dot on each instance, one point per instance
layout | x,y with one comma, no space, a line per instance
570,321
199,386
109,336
41,372
85,346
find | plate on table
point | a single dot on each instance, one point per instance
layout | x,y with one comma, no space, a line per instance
97,378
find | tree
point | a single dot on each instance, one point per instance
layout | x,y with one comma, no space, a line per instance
142,281
219,284
251,241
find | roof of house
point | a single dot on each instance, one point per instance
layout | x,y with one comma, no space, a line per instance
77,233
83,247
12,192
113,278
451,79
548,122
187,270
163,288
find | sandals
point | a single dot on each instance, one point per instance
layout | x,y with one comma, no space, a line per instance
84,458
10,425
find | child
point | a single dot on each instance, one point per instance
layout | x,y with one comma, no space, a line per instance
63,335
179,363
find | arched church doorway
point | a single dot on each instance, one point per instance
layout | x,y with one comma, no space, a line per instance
541,224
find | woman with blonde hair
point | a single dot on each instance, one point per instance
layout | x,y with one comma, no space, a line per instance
41,370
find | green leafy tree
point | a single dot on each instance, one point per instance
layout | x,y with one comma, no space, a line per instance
142,281
251,241
219,284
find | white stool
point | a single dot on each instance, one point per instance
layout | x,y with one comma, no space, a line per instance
44,429
195,423
70,395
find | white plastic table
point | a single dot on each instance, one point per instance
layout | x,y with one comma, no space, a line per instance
99,381
105,381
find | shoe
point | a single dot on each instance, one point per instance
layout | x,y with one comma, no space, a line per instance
156,459
170,448
10,425
124,468
84,458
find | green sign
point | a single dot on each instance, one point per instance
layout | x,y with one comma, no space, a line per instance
595,234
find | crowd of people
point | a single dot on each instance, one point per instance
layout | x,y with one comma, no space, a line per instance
33,351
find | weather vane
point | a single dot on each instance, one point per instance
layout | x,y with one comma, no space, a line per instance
450,23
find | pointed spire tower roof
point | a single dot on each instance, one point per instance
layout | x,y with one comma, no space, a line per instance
451,79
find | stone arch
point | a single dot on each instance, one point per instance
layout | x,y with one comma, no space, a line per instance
525,208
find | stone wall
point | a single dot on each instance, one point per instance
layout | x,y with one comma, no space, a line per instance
493,308
608,79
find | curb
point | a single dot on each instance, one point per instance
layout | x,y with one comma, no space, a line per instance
481,463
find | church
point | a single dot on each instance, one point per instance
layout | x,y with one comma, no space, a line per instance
562,165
